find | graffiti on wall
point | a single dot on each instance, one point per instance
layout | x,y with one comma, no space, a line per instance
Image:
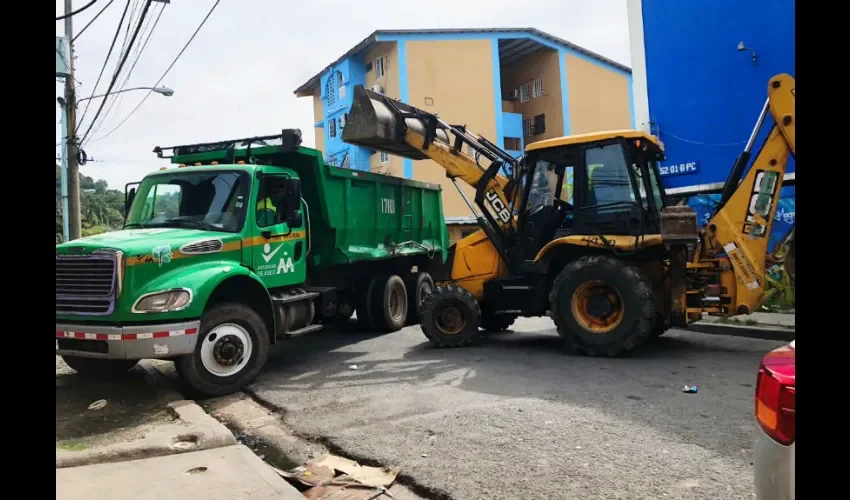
780,290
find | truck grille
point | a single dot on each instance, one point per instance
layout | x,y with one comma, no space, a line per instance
85,285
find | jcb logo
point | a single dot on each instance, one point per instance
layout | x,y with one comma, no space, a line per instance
761,203
498,207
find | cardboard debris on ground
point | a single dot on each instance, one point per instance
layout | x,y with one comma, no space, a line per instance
355,482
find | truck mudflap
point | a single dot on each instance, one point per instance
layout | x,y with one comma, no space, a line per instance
127,342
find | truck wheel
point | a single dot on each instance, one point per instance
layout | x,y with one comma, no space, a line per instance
602,306
495,323
233,345
419,285
99,367
388,303
362,303
450,317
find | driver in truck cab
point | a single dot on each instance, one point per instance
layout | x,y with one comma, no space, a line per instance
267,208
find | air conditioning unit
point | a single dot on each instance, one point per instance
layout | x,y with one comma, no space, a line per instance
377,88
513,95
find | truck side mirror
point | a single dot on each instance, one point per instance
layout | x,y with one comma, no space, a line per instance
293,203
128,201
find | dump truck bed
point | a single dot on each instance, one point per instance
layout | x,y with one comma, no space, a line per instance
357,215
353,215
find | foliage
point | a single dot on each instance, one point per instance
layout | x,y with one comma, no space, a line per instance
101,209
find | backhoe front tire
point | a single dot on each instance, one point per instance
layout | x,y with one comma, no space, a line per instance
93,367
233,346
603,306
451,317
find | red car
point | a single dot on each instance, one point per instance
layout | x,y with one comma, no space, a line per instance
775,405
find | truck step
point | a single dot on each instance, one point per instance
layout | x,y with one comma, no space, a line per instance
303,331
295,298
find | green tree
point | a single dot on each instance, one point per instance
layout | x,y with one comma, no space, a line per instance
101,208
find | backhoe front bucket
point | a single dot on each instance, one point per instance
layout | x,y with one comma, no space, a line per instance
371,122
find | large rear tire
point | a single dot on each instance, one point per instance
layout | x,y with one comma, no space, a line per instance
451,317
92,367
419,286
233,345
603,306
388,303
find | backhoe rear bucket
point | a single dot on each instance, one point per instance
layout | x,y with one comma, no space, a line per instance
372,123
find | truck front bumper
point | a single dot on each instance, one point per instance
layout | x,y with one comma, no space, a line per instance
127,342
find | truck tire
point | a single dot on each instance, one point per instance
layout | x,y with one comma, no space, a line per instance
92,367
451,317
419,285
495,323
602,306
362,302
388,303
233,345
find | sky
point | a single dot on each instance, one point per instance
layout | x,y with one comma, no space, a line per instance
237,77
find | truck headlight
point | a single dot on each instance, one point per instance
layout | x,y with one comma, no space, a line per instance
169,300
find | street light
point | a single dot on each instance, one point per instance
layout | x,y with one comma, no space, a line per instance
63,167
167,92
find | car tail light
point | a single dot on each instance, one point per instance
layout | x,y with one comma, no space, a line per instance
775,395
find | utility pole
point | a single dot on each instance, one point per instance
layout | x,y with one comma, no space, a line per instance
74,226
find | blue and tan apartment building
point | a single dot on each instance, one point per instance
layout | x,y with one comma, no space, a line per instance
513,86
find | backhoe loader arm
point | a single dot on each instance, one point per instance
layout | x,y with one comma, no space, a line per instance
379,122
742,224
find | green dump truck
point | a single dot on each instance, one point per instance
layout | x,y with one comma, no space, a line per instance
244,243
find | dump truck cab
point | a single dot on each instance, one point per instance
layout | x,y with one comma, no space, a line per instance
239,244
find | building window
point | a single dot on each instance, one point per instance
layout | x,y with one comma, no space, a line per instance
539,124
330,91
513,143
537,91
385,157
332,127
339,80
379,67
342,120
524,91
527,127
368,67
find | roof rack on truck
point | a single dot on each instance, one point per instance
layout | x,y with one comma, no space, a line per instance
230,151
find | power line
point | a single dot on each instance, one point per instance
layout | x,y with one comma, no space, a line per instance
92,20
105,61
118,70
164,74
74,13
146,35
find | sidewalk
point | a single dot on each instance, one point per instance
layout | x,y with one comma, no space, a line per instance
136,438
228,473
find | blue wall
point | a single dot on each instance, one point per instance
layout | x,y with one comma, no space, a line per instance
705,95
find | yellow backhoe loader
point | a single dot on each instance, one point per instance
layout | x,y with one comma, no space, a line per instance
579,228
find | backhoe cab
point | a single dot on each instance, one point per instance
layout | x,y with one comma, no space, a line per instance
579,228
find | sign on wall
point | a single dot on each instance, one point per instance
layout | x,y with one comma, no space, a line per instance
690,167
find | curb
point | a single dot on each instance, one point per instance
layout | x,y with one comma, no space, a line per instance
763,332
194,430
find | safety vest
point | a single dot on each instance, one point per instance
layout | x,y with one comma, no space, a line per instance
263,208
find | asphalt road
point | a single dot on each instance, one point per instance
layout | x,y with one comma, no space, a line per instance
514,418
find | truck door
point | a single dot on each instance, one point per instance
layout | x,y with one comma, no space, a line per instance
278,244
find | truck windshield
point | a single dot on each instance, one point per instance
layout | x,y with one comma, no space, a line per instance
213,201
